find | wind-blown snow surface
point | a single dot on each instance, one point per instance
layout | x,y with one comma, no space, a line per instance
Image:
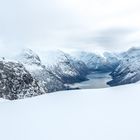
97,114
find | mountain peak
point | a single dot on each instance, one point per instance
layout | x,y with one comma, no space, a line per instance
27,56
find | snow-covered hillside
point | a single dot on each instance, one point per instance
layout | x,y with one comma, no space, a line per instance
128,71
97,114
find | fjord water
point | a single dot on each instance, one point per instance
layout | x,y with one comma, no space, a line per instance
95,80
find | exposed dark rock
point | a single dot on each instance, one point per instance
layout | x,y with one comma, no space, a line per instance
16,82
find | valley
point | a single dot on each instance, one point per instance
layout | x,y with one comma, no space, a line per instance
95,80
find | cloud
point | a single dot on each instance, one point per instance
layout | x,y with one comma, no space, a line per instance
110,39
114,38
28,21
68,24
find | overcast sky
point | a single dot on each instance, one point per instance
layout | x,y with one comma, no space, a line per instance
97,25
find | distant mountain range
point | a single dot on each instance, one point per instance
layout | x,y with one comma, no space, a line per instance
26,75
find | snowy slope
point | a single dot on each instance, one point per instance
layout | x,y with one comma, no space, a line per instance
128,71
99,114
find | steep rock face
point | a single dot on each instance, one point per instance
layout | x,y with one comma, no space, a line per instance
69,69
128,70
16,82
50,81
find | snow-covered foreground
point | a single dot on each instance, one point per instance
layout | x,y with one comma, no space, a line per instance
97,114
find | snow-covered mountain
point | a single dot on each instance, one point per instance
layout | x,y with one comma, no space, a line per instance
95,62
71,68
61,69
68,68
49,81
112,60
27,56
48,78
128,70
56,74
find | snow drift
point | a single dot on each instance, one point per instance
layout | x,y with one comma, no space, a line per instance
97,114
